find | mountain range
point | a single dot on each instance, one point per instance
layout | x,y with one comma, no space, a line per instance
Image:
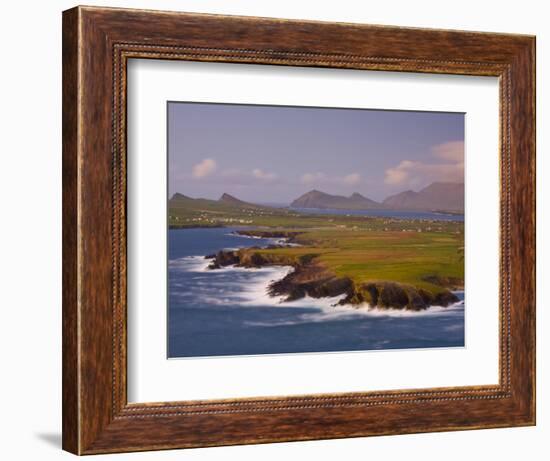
443,196
438,196
318,199
225,201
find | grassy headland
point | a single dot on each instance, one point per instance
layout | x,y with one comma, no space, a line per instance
389,262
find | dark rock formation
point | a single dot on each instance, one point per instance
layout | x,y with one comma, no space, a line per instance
401,296
311,281
395,295
309,278
224,258
444,298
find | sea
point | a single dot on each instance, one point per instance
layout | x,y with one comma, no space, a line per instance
228,312
401,214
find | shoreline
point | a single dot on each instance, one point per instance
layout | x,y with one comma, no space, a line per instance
255,293
195,226
310,279
409,216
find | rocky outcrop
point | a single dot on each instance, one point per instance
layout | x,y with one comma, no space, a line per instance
223,258
393,295
310,278
249,257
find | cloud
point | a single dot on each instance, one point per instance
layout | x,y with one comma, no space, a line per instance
319,178
416,173
208,170
204,168
240,177
399,174
260,174
352,179
452,151
449,168
310,178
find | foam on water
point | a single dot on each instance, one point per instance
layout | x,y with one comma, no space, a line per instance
229,311
189,264
327,310
270,240
250,288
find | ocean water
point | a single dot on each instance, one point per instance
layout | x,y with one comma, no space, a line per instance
228,312
401,214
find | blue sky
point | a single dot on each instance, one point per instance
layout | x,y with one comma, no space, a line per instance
277,153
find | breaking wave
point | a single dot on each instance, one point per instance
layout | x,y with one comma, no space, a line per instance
249,287
229,311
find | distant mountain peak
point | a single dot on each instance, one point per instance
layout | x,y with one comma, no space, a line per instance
318,199
444,183
442,196
178,196
315,192
228,198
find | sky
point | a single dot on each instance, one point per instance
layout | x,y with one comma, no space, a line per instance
274,154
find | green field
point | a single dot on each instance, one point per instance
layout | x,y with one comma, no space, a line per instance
376,256
362,248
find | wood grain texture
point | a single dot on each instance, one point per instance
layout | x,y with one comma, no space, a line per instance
97,43
70,383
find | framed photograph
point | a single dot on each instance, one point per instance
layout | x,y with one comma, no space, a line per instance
284,230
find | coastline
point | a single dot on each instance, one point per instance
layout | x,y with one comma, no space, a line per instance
194,226
233,303
309,278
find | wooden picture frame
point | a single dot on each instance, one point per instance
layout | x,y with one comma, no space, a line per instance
97,43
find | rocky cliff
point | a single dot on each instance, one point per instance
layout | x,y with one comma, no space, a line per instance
310,278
